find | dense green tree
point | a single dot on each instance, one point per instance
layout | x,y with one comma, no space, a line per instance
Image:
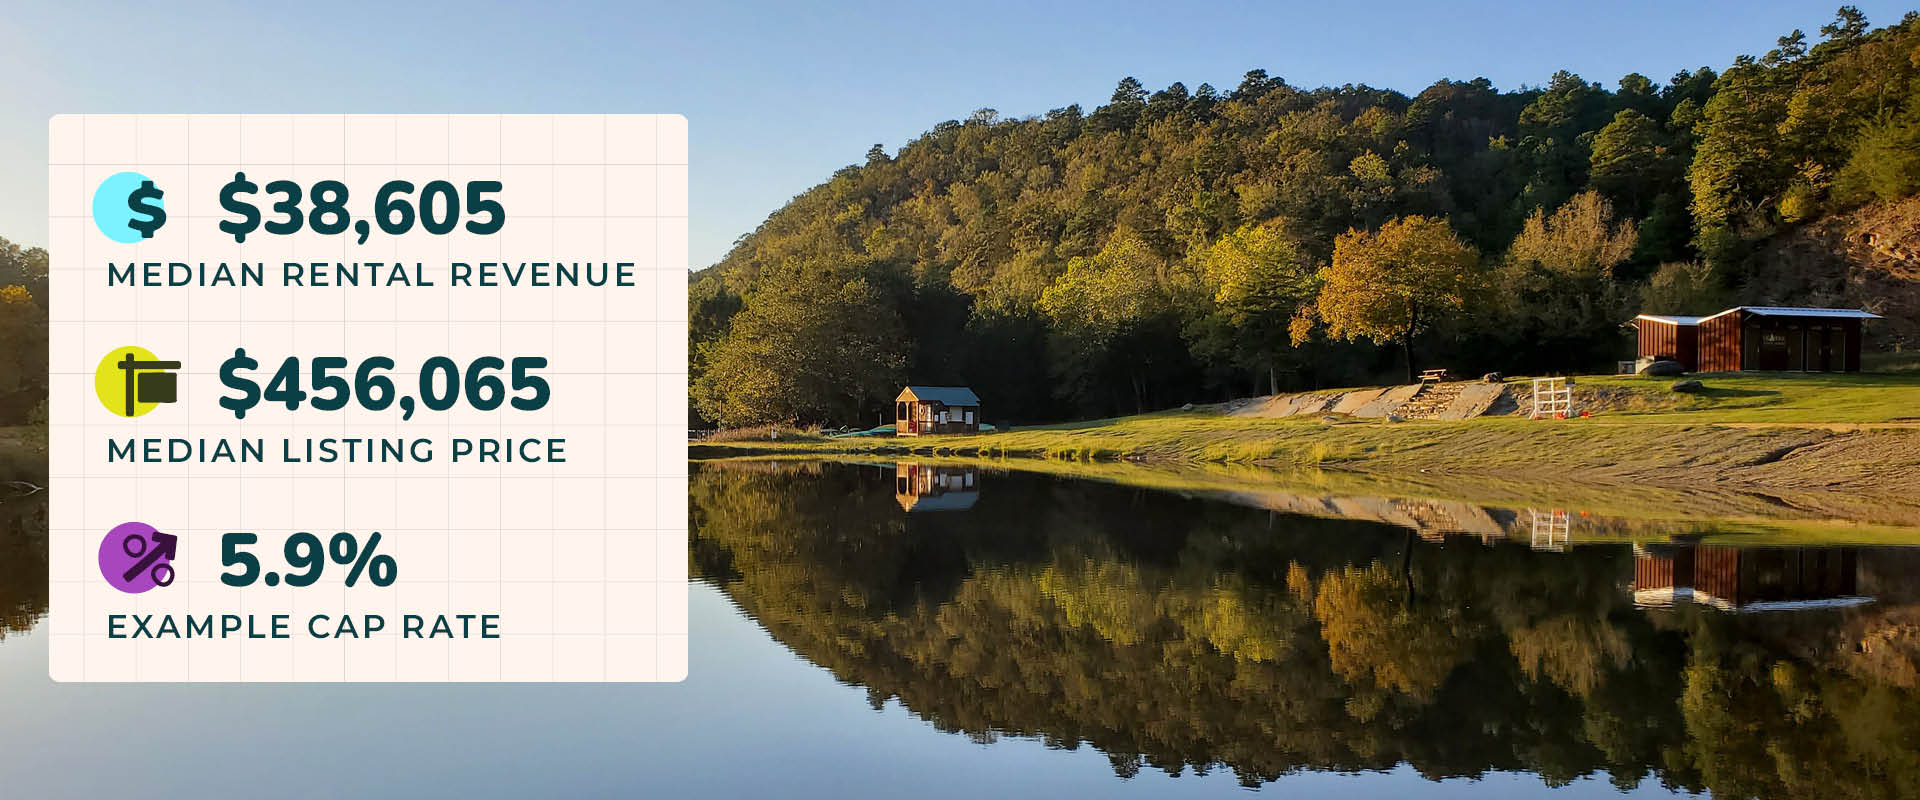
1684,287
1631,163
1560,282
1105,309
24,266
1261,282
1885,162
23,359
1740,163
798,353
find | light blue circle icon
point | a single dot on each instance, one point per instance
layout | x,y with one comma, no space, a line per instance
114,214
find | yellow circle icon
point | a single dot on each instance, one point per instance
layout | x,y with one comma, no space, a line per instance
132,381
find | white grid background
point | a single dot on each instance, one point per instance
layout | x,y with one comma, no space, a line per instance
584,561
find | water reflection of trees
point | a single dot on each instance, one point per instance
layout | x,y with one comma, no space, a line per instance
23,559
1180,634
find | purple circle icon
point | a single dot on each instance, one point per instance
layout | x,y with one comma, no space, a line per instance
136,557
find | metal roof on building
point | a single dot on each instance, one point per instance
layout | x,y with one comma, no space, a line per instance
1791,311
945,501
945,395
1671,319
1765,311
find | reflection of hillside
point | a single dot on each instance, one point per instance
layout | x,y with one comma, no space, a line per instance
1177,633
1574,513
1432,519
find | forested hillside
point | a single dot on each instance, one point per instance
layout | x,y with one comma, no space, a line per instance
1187,245
23,334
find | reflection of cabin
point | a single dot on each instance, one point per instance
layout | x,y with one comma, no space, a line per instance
1755,338
922,410
924,487
1746,579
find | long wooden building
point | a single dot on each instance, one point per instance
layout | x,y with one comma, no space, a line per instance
1746,579
1775,338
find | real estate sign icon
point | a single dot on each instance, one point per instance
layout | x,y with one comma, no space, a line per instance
132,381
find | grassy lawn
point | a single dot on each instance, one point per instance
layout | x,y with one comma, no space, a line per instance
1779,398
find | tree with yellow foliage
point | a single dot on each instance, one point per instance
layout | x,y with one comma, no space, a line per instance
1394,284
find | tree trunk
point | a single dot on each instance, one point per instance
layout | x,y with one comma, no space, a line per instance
1273,380
1406,566
1406,345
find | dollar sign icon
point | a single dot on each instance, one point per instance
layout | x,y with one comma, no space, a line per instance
146,200
249,391
249,216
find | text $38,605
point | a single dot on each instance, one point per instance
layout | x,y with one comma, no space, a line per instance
438,208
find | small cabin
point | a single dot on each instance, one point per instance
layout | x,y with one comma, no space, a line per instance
1772,338
927,410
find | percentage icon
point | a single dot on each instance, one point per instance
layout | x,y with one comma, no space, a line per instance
346,550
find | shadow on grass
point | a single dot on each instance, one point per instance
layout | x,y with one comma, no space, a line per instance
1725,393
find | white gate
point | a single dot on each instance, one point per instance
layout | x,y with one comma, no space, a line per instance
1552,398
1551,529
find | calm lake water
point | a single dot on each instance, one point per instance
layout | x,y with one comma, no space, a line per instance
929,631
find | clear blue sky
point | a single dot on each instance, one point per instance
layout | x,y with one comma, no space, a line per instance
778,95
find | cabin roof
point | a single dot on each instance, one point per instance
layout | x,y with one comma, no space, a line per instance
944,395
1764,311
945,501
1792,311
1671,319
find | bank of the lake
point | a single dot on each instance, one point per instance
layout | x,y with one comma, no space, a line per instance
1846,446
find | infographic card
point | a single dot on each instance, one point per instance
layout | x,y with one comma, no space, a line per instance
368,398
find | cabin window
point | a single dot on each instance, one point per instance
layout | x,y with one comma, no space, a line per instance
899,410
969,416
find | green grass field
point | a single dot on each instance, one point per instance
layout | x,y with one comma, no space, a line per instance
1779,398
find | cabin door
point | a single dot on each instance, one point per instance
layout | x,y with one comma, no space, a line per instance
1773,350
1831,344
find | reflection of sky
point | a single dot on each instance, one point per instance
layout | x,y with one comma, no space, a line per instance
751,719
